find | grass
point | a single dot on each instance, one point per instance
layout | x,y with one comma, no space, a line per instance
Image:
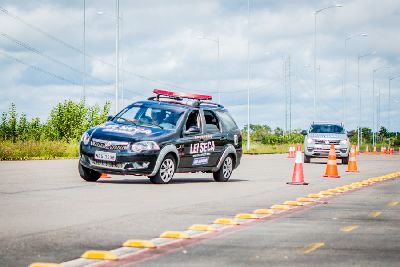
38,150
259,148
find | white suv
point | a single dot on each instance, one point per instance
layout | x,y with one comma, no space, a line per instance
320,136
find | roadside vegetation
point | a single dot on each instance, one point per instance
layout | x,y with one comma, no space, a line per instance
58,137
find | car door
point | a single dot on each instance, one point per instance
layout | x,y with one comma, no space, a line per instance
189,145
215,135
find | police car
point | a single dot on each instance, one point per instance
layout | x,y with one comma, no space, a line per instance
168,133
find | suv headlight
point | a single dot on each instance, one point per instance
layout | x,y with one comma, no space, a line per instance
344,142
310,141
85,138
144,146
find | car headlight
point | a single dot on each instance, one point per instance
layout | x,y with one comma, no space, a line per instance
85,138
144,146
310,141
344,142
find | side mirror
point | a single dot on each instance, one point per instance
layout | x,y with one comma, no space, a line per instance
109,117
350,133
304,132
192,130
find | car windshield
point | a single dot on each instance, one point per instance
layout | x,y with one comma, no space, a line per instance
327,128
158,117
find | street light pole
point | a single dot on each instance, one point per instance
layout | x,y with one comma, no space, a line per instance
359,136
84,52
389,108
248,75
315,55
375,127
116,55
345,72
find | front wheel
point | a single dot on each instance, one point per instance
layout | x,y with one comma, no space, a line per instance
165,172
88,174
224,173
345,160
307,159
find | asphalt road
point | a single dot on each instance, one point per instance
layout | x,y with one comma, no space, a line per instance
49,214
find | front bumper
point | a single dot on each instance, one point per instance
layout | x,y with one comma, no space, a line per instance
322,151
126,162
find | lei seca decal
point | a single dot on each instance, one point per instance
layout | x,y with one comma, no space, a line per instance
125,129
202,147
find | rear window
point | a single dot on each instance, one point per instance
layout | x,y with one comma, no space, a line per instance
227,122
326,128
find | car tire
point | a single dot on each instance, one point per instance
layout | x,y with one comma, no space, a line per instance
88,174
225,171
307,159
166,171
345,160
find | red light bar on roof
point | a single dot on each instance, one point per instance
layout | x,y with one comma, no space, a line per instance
182,95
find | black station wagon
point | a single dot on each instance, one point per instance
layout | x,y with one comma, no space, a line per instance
170,132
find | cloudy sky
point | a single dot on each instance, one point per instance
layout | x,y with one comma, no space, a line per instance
41,55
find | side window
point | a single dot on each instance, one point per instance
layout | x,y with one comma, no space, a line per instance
227,121
193,120
212,122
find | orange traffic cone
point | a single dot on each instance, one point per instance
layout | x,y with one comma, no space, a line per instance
298,175
105,175
383,150
392,151
331,167
352,165
292,152
374,150
366,150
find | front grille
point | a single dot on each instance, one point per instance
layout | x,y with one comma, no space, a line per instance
327,142
107,164
111,145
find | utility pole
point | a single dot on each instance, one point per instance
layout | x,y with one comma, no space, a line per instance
290,97
84,53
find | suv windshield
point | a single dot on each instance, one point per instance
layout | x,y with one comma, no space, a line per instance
326,128
158,117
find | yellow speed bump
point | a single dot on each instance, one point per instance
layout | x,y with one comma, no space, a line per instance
263,211
342,188
280,207
99,255
293,203
44,264
315,196
326,193
246,216
139,243
305,199
333,190
201,227
175,234
393,203
349,228
227,221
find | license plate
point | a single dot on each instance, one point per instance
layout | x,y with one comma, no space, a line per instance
106,156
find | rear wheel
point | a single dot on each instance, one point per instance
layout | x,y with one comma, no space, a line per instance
224,173
345,160
165,172
88,174
307,159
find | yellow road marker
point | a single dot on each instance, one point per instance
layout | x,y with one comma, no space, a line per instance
263,211
305,199
312,247
246,216
44,264
99,255
393,203
334,190
202,227
315,196
226,221
175,234
326,193
348,228
280,207
139,243
293,203
374,214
